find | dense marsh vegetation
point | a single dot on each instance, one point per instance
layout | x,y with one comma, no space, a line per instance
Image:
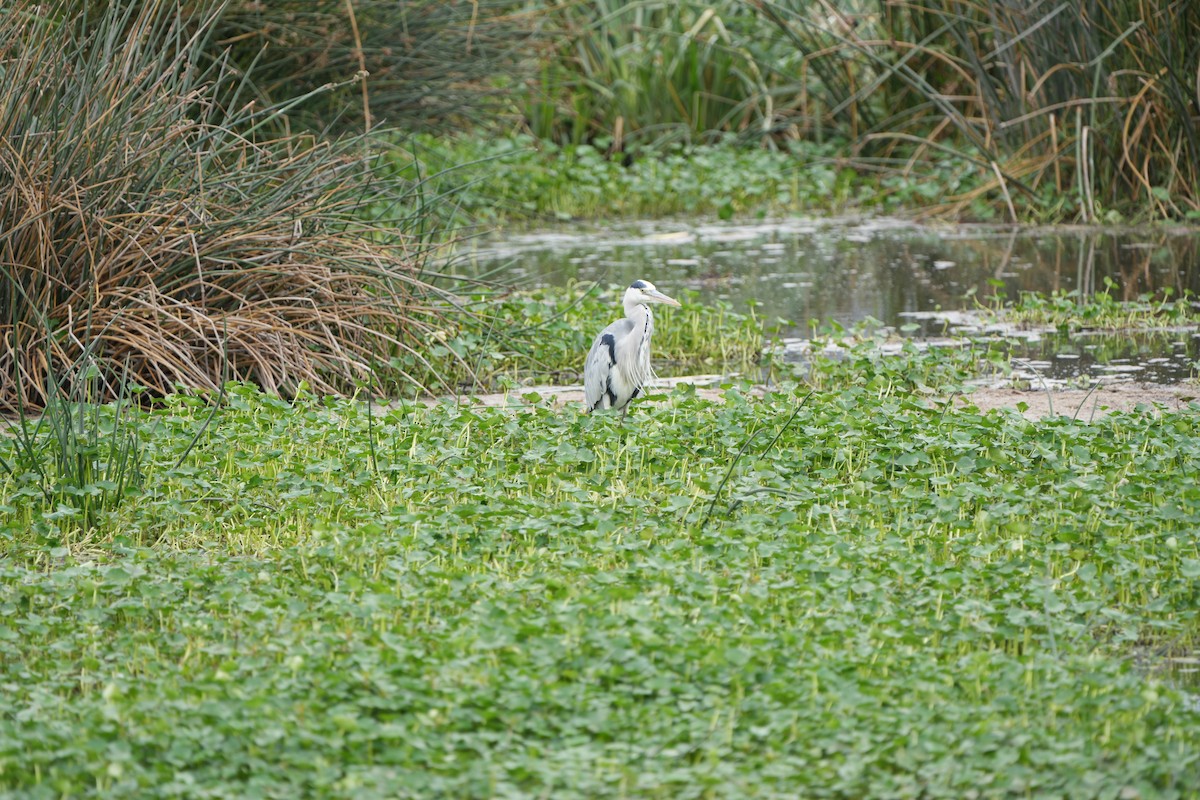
865,595
1077,111
230,582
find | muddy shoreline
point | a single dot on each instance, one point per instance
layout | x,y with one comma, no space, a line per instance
1082,404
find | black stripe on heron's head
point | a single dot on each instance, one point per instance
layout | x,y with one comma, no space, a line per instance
639,285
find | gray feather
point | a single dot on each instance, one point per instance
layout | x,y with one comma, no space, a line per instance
600,364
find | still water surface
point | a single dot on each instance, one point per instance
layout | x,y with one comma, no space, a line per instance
812,272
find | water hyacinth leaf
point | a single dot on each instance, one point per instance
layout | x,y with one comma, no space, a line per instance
528,577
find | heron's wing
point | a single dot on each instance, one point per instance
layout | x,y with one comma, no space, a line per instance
601,361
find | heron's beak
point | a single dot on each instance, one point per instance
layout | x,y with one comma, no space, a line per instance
660,297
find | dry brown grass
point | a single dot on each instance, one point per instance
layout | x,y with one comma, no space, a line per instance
149,213
433,64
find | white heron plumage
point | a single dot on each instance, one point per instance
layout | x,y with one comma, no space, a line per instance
618,365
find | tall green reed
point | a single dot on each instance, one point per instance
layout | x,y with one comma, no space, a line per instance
1083,110
81,458
648,72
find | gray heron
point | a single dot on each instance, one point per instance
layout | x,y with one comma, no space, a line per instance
618,365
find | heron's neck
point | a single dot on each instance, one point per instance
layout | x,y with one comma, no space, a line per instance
638,312
642,318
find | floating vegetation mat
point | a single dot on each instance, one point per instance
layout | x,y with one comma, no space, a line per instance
870,593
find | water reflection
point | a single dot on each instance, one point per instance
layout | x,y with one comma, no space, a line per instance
1144,357
811,272
845,270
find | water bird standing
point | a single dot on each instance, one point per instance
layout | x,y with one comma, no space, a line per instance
618,365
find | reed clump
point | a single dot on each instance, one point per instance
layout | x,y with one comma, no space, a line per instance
428,64
154,216
1086,108
1082,111
650,72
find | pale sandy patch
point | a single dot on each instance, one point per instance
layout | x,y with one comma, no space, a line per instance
1085,404
1081,404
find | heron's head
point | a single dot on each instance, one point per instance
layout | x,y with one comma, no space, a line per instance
643,292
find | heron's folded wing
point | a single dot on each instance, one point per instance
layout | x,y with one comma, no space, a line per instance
601,360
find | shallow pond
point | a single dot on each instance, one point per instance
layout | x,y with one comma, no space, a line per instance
813,272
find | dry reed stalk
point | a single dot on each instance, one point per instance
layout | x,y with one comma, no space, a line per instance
145,218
